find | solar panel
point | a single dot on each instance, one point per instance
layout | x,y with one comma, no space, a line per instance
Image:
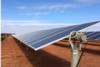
41,34
93,35
98,38
89,33
48,33
40,39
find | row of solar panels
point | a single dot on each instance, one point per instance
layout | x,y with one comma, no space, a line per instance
93,35
40,39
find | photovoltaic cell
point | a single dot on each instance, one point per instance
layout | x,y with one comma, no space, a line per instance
93,35
41,34
98,38
40,39
49,34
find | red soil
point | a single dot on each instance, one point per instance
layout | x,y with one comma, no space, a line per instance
55,55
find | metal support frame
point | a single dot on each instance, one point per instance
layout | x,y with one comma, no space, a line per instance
27,48
75,55
76,39
20,42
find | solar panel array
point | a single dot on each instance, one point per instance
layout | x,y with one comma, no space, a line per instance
40,39
93,35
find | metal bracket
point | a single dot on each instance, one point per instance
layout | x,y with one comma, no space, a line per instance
76,39
75,55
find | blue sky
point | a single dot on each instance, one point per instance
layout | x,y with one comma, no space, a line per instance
41,12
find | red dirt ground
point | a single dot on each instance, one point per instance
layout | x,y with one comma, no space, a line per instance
55,55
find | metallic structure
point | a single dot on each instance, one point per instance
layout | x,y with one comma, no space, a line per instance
76,39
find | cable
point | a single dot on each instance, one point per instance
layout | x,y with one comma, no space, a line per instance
81,56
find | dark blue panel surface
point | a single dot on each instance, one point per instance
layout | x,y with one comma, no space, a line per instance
43,34
94,35
49,34
91,34
98,38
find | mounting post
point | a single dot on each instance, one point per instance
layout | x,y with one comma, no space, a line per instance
75,55
27,48
76,39
20,42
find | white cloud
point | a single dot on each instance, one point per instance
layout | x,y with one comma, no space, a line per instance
29,22
88,1
45,9
41,13
54,6
29,14
37,13
58,6
49,7
34,14
22,26
19,26
22,7
24,29
23,22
